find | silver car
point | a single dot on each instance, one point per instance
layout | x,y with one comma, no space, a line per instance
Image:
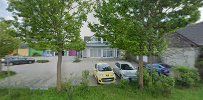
125,70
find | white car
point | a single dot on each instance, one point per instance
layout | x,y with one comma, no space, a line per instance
125,70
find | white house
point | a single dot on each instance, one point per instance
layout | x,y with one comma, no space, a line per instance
98,48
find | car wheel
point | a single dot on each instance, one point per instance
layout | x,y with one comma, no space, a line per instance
30,62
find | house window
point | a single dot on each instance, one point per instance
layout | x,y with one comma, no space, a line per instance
108,53
95,52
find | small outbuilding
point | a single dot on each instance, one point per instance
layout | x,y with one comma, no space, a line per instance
184,46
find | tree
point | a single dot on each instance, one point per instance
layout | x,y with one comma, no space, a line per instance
141,27
7,43
50,24
78,45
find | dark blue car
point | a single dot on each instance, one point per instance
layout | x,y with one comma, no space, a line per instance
159,68
18,60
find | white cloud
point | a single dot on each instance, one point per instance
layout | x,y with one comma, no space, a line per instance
201,18
8,17
3,12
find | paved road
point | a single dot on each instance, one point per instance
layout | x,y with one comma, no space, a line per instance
44,75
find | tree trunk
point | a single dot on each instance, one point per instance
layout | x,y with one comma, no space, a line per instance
141,83
0,65
59,82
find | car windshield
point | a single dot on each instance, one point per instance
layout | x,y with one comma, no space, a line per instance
165,65
104,67
126,67
23,58
157,66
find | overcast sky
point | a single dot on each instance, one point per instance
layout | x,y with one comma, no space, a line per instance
85,31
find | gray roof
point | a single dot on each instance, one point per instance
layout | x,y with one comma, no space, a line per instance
194,33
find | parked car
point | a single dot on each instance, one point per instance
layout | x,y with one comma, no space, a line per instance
104,73
159,68
18,60
125,70
166,65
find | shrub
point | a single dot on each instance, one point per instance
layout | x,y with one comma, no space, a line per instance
4,74
70,90
158,84
80,90
199,64
85,81
123,84
76,60
36,55
186,77
42,61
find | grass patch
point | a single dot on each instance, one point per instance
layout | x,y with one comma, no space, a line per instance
5,74
105,92
42,61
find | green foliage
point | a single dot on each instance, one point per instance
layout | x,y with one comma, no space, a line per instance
83,88
186,77
123,84
53,25
70,90
141,27
36,54
158,84
85,82
199,64
50,24
77,45
7,43
42,61
4,74
106,92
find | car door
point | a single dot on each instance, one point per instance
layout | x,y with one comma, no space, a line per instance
19,60
117,68
15,60
22,60
26,60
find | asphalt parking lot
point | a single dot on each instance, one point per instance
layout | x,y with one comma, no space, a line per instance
43,75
